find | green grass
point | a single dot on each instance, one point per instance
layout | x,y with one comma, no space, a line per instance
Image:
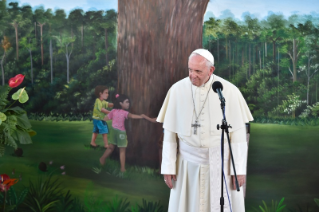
283,162
63,143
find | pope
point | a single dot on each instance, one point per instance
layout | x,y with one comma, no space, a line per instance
191,110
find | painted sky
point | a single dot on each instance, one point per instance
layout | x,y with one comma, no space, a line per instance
217,8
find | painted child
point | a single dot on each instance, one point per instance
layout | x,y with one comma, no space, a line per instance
99,111
118,136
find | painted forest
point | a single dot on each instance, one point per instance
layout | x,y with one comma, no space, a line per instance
273,61
62,57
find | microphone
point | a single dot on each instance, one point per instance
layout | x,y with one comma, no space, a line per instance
218,87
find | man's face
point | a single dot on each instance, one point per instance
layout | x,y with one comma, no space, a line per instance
199,73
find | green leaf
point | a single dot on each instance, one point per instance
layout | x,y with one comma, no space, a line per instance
32,132
12,122
3,116
22,196
317,201
16,110
21,95
50,205
281,208
23,121
23,137
281,201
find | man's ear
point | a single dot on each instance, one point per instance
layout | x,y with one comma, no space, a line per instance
212,69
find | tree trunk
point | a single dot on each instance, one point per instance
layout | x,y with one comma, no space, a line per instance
229,60
308,81
266,49
259,61
67,67
218,50
274,50
106,46
15,25
154,42
242,57
93,47
2,70
294,60
72,35
35,30
41,30
51,62
82,33
31,66
249,73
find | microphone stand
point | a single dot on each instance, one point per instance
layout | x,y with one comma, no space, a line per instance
224,128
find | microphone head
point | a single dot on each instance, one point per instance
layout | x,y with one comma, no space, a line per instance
217,85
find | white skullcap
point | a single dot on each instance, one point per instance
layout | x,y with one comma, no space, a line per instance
205,53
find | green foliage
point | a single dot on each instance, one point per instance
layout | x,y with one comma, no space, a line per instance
14,125
150,206
13,200
310,111
61,117
118,205
68,204
21,95
44,194
287,121
317,201
274,207
289,106
112,167
97,204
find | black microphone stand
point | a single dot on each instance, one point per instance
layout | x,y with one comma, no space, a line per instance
224,128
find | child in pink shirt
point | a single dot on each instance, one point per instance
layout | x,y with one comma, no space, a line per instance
118,136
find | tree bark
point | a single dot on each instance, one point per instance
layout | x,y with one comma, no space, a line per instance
82,33
41,30
2,70
35,30
51,62
249,59
294,60
31,66
218,50
155,39
67,68
274,50
106,46
15,25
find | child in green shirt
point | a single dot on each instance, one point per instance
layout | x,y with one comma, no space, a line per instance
99,111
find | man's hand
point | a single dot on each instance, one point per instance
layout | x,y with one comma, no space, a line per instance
168,180
241,180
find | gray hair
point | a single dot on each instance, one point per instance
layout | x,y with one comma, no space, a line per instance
208,63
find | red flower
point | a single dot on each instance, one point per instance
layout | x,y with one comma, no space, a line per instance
16,81
6,182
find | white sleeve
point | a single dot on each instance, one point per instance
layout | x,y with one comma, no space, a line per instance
239,147
169,153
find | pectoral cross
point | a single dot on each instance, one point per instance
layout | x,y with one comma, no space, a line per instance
195,127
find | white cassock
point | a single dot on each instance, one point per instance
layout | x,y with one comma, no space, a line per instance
197,165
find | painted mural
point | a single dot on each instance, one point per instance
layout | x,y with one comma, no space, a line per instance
60,64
